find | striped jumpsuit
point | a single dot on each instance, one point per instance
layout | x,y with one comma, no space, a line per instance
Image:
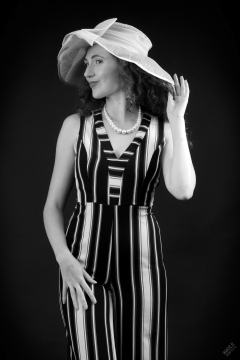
115,236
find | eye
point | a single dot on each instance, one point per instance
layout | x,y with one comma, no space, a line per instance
98,61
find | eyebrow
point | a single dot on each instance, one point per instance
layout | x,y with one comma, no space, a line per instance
92,57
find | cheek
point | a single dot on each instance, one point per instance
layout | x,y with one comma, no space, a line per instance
114,80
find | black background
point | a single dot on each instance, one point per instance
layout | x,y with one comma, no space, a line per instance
196,39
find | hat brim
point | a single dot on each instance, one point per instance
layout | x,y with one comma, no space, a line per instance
71,65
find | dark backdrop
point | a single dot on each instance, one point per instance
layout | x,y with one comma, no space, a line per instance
196,39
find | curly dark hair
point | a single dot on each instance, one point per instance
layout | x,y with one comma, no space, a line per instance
150,93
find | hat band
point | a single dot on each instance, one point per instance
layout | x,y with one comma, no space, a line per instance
127,39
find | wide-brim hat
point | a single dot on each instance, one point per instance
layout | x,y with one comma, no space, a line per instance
123,41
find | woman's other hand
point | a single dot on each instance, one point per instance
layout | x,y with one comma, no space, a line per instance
74,277
177,104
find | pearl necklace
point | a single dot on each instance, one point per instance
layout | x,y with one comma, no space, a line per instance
121,131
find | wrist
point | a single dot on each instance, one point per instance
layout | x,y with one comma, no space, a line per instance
63,255
176,118
178,126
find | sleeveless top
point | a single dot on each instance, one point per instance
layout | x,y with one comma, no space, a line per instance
102,177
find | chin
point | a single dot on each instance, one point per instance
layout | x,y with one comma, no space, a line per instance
98,96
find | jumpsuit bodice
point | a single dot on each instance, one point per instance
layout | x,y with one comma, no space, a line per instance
131,179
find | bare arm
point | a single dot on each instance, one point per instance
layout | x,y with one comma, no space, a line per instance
178,170
60,186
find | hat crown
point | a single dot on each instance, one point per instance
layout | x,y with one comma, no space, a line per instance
126,36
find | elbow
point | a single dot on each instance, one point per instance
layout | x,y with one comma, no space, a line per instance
184,192
45,208
182,187
186,188
186,195
49,208
45,212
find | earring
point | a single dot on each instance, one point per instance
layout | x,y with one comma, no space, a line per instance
131,98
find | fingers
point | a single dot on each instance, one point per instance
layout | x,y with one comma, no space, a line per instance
87,288
64,293
182,87
77,293
81,297
89,292
78,297
187,87
182,82
177,85
74,297
88,277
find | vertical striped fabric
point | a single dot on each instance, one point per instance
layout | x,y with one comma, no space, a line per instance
115,236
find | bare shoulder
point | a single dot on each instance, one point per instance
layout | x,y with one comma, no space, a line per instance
70,128
72,122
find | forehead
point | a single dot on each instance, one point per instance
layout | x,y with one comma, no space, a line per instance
97,50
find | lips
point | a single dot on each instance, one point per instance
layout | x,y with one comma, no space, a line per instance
92,84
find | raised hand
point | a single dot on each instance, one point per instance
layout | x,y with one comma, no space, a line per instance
177,104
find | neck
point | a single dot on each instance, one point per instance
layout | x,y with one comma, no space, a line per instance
117,109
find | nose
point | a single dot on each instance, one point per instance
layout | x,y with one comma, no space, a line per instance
89,73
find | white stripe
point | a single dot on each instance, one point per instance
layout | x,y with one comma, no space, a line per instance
101,130
146,285
81,332
76,230
132,279
94,333
75,145
165,305
78,172
71,326
140,134
156,181
116,168
97,238
95,171
111,327
105,319
152,141
136,176
69,222
109,260
109,151
117,268
128,152
88,138
115,182
123,160
86,234
158,290
108,191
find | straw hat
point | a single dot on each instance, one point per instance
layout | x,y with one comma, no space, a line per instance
124,41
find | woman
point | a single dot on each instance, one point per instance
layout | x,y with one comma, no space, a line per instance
129,125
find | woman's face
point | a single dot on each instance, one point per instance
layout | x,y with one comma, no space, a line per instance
102,72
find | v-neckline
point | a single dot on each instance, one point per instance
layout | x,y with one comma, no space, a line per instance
142,128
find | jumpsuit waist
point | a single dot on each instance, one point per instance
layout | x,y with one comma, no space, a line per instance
141,208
